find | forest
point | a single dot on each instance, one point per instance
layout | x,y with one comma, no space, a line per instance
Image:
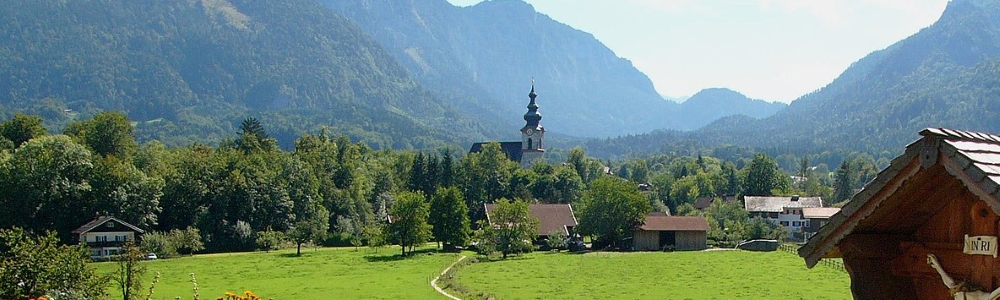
340,189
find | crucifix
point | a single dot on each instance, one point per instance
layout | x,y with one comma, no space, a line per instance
962,290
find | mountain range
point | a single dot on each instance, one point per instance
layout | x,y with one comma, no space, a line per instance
487,53
945,75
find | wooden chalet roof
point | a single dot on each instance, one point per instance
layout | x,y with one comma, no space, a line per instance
551,217
778,204
664,222
819,212
895,201
100,221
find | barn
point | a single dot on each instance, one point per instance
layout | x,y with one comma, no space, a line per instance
940,198
679,233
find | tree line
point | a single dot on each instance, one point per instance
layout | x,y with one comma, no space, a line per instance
330,190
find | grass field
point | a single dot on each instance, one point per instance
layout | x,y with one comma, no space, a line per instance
327,273
655,275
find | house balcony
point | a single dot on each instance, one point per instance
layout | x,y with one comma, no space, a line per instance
105,244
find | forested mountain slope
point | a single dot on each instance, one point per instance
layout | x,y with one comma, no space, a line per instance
190,70
711,104
943,76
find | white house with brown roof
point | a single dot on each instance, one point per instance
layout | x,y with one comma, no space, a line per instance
106,235
551,218
816,217
679,233
784,211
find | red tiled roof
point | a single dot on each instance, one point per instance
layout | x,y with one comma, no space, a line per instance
551,217
659,222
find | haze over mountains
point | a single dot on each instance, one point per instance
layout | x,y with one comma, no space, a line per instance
946,75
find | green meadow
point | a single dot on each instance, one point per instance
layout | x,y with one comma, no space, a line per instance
346,273
655,275
324,273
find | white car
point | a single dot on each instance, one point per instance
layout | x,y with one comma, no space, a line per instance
151,256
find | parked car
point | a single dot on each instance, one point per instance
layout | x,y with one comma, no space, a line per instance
151,256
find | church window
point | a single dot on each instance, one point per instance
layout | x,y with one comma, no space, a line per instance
529,144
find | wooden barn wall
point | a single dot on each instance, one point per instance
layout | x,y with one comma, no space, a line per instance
691,240
944,235
645,240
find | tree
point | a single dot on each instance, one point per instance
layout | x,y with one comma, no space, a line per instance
375,235
449,218
187,241
762,177
270,240
34,266
306,231
22,128
485,177
557,240
159,243
842,187
130,272
509,230
46,186
409,226
612,209
254,138
108,133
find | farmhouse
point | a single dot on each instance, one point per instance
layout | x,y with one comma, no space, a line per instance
940,197
785,211
531,146
551,218
106,235
816,217
665,231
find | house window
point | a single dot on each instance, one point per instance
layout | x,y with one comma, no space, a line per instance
111,224
805,223
774,215
784,223
796,224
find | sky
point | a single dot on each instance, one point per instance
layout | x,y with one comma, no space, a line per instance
775,50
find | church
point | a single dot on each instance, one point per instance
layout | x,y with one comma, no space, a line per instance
531,146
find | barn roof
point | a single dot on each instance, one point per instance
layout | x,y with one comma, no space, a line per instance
943,159
778,204
819,212
100,220
551,217
663,222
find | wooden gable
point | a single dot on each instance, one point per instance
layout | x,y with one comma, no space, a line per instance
942,188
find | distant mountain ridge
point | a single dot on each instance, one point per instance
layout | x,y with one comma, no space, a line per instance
713,103
485,54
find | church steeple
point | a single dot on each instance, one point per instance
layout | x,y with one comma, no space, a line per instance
532,117
532,134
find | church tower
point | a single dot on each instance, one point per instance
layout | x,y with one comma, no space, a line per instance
532,134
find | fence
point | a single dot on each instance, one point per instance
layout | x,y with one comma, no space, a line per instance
836,264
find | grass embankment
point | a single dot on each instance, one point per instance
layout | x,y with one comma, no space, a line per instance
327,273
655,275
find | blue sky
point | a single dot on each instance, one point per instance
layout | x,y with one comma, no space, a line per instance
776,50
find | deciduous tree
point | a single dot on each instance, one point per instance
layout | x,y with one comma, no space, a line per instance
612,209
408,226
450,217
509,230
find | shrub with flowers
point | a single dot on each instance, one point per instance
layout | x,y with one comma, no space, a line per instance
248,295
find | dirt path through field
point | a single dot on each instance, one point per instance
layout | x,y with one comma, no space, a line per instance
434,282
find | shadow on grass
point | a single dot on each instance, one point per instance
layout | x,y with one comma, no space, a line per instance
397,256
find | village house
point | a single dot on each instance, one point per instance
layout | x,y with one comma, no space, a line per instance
551,218
106,235
662,231
784,211
816,217
926,227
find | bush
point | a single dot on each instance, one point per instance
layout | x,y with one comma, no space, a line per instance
557,240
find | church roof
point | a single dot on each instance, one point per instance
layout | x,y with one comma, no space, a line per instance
511,149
